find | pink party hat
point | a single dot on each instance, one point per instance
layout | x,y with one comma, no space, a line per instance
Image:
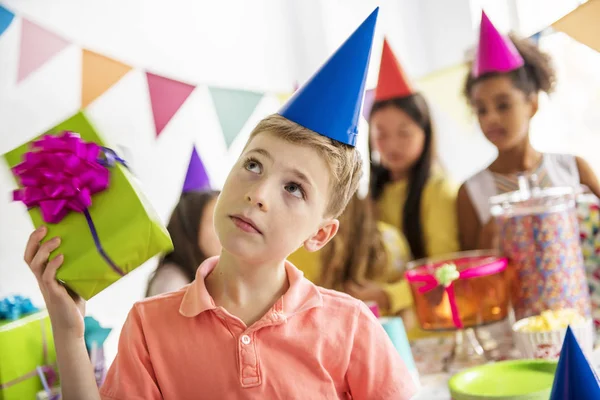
495,52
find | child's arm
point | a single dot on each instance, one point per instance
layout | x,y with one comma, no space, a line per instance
375,370
66,311
587,176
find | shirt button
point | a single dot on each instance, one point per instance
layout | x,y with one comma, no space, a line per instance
246,339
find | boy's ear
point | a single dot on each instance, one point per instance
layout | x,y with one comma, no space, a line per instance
325,233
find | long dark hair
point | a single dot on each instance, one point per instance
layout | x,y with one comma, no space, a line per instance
184,228
416,108
357,252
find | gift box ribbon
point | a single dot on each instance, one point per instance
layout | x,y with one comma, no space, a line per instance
60,174
445,274
14,307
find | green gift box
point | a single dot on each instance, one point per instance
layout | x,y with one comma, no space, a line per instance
25,345
127,229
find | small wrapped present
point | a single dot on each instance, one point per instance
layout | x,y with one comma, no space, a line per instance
83,192
27,355
95,336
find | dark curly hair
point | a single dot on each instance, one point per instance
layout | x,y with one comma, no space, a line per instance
537,75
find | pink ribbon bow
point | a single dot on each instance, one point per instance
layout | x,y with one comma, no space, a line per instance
431,282
59,175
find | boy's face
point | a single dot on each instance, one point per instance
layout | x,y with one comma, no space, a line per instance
274,201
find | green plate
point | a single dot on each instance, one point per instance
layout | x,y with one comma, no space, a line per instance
505,380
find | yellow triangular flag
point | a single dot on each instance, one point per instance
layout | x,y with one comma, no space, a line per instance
283,97
582,24
98,74
445,88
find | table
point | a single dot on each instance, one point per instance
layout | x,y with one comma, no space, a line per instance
429,355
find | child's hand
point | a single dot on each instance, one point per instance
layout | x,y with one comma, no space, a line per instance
368,291
66,309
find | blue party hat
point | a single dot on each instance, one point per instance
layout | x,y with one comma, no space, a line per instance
329,102
575,378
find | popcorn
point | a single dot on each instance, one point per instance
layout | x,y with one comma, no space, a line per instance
551,320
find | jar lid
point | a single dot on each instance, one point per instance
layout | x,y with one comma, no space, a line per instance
537,201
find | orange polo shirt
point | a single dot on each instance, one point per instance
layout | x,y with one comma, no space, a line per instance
314,343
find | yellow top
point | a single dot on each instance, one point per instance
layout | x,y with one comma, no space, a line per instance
438,212
397,249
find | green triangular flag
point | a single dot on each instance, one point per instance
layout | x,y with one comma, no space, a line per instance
233,107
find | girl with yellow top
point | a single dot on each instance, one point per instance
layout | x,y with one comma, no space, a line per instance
409,192
365,259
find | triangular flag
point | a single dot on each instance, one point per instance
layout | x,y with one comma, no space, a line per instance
582,24
233,107
166,96
368,103
196,177
283,97
38,46
575,378
6,17
98,74
444,87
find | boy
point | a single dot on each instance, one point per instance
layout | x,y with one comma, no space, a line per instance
250,326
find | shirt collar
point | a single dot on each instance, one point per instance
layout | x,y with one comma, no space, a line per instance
302,295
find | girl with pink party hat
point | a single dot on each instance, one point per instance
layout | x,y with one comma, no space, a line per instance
502,87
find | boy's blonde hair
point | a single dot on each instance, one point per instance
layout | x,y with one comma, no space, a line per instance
345,163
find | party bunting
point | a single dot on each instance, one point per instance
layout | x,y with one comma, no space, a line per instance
582,24
445,88
166,96
38,46
368,103
6,17
99,73
283,97
196,177
233,107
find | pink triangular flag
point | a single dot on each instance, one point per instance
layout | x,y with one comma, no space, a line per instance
368,103
166,96
495,52
38,46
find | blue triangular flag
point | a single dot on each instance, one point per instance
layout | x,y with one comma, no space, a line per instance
6,17
575,378
329,102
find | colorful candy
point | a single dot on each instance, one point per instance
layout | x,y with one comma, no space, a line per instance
588,213
543,249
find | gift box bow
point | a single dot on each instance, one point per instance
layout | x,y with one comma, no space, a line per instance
446,273
14,307
60,174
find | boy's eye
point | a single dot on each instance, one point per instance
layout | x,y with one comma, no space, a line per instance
480,111
503,106
295,190
253,166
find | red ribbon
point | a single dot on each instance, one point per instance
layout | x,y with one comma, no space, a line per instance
417,275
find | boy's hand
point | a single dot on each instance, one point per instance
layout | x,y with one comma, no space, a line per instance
66,309
368,291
